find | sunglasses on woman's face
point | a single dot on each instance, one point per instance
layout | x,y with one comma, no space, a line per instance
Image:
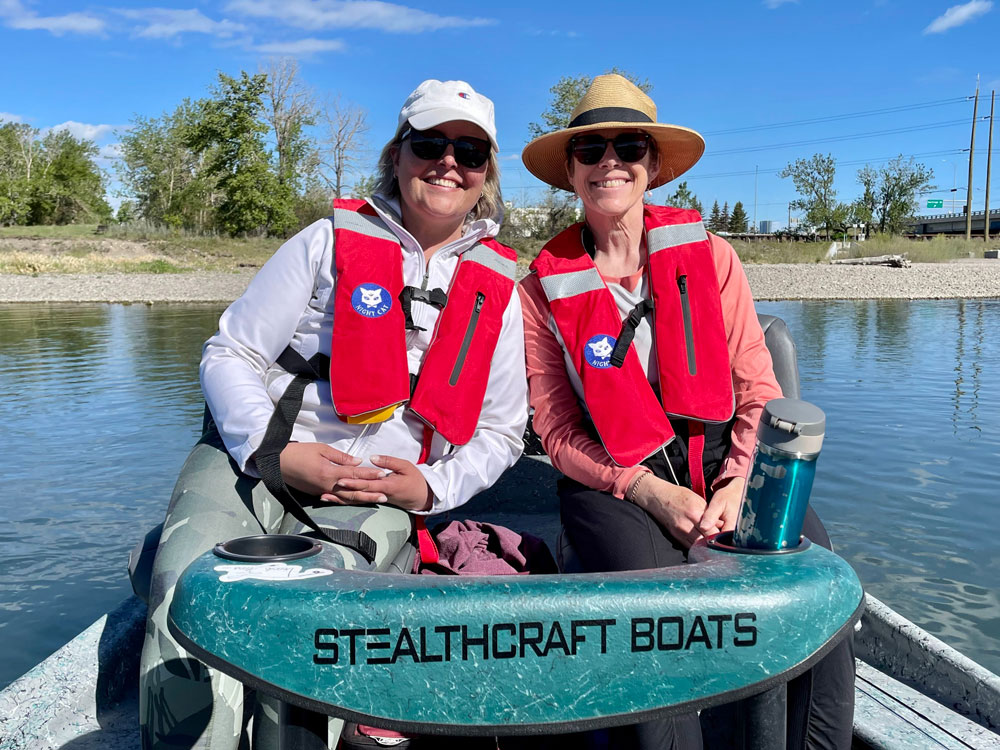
430,144
589,149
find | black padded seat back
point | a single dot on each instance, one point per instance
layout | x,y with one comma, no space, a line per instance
784,358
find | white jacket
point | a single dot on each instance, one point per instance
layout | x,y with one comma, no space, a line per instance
290,300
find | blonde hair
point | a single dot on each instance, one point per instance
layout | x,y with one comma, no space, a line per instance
489,205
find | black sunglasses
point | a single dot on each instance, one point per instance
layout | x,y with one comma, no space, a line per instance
430,144
588,149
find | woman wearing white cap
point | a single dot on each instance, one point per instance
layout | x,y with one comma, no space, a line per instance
348,399
648,372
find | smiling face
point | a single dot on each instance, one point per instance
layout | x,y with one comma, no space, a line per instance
611,187
438,192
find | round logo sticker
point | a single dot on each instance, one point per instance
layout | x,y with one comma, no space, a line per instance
598,350
371,300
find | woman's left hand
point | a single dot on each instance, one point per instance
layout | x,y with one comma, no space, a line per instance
723,510
404,486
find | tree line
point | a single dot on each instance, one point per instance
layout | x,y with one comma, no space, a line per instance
887,203
259,156
49,179
718,220
263,155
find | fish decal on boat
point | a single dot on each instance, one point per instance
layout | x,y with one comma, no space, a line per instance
276,571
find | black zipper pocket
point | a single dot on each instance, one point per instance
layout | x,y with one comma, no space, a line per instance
467,341
688,332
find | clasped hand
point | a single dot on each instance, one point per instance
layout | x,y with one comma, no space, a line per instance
684,513
338,477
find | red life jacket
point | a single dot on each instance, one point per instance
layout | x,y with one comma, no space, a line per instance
369,376
692,356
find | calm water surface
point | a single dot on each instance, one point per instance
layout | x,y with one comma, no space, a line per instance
99,405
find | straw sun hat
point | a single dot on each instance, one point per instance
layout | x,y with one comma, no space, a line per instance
614,102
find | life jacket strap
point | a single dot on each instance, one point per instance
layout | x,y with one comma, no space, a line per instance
627,332
696,453
425,542
276,437
436,297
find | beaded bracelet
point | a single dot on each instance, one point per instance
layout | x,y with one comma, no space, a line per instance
630,495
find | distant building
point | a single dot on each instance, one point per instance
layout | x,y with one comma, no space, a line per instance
768,227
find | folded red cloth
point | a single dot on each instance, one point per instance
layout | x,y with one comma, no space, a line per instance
473,548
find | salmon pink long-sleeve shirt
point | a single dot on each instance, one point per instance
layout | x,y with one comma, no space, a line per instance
556,397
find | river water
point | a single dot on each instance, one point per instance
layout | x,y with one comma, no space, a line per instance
99,404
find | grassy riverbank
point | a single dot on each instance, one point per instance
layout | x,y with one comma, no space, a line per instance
80,249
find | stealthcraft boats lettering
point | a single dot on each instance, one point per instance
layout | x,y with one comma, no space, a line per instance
511,640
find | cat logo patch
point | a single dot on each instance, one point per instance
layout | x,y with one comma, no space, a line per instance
371,300
598,350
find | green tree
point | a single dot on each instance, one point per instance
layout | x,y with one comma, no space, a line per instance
724,218
715,219
738,219
231,133
67,186
813,180
889,200
683,198
164,176
364,187
18,148
126,213
566,94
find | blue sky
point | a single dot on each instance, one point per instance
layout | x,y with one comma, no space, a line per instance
716,66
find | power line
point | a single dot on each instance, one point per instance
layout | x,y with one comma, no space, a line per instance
773,170
838,138
837,118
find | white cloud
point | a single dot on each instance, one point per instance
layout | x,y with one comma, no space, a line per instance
8,117
351,14
16,16
772,4
958,15
301,47
110,152
84,130
164,23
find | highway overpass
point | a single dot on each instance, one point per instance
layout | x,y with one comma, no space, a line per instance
954,224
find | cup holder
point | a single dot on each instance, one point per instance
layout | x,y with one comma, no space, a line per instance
724,542
268,548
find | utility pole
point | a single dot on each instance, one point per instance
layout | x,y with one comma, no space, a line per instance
755,196
989,156
972,151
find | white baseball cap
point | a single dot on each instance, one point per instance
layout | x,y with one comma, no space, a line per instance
434,102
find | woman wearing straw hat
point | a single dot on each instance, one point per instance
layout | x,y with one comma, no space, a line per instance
651,418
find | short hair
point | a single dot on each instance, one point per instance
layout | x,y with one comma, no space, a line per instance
489,205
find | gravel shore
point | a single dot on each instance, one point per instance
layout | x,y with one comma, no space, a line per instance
961,279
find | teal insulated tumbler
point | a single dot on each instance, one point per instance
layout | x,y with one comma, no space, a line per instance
776,497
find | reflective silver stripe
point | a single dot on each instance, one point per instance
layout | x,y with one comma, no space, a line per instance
662,238
563,285
371,226
485,256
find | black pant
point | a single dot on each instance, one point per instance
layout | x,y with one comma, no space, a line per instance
609,534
